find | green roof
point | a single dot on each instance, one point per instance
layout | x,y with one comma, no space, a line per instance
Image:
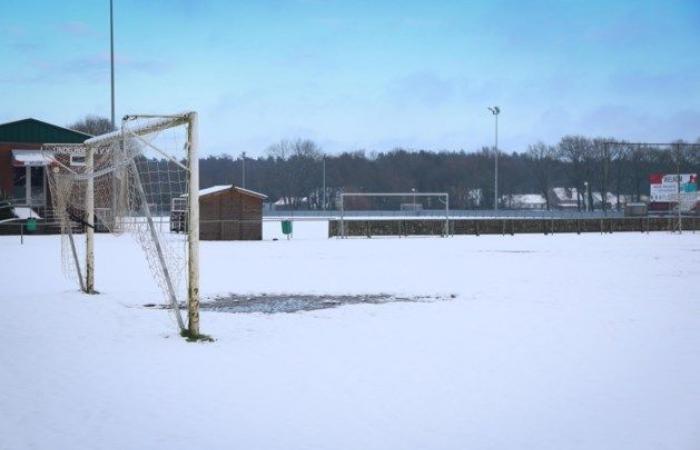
37,132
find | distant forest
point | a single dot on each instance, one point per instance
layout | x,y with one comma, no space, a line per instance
293,170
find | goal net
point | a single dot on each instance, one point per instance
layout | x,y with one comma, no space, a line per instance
125,182
393,213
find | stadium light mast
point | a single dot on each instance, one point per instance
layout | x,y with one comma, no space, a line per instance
111,56
495,110
324,182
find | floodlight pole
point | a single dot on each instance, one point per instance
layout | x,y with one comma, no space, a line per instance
324,182
495,110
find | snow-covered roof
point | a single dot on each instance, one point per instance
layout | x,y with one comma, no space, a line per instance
223,187
22,212
283,202
213,189
23,158
532,199
565,194
249,192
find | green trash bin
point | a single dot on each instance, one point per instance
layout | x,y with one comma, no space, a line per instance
30,225
287,227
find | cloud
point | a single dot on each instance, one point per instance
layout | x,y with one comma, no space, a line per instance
424,89
87,68
683,82
77,29
18,38
621,122
14,31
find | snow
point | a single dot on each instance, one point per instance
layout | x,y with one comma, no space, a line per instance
32,158
223,187
24,212
213,189
553,342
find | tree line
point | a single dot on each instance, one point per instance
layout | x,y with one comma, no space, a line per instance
293,170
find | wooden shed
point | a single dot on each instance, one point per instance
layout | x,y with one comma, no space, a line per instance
230,213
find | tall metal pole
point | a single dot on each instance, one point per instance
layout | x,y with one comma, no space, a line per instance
495,110
324,182
243,171
495,180
111,54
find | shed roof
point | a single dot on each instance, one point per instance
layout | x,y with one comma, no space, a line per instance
32,158
223,187
39,132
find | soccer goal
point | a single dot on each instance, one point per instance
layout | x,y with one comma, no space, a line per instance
394,213
124,182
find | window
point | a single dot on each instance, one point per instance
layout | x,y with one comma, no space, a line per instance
77,159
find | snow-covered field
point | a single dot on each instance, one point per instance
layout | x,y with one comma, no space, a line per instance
553,342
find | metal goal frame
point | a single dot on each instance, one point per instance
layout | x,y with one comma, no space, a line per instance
159,122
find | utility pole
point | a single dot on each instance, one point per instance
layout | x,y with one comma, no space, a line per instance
324,182
243,170
495,110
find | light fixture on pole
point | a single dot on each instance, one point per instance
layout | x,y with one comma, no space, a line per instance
495,110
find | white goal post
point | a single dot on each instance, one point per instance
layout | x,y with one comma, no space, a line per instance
129,177
443,197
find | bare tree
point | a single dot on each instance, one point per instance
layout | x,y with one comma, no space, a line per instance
621,154
543,157
601,153
299,170
575,151
93,125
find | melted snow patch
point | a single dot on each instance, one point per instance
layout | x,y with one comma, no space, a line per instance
290,303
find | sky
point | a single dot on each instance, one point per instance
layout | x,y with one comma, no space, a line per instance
371,75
